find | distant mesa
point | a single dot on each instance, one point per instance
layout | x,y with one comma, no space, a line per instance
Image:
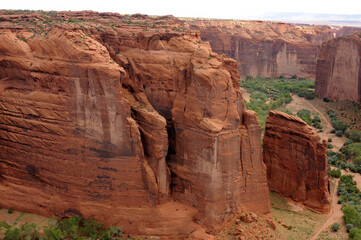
339,69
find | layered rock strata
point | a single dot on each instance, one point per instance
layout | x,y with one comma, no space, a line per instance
296,161
125,119
339,69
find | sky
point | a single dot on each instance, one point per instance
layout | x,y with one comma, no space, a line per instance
224,9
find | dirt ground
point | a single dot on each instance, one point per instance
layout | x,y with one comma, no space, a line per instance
246,95
335,215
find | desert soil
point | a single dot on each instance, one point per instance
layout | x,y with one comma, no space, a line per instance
334,216
246,95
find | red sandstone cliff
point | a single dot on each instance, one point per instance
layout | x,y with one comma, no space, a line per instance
339,69
127,120
296,161
269,49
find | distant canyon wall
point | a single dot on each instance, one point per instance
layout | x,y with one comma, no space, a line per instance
269,49
339,69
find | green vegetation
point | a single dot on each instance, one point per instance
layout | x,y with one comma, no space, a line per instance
336,159
10,210
335,227
353,135
350,197
339,126
306,93
349,151
271,93
355,234
335,173
62,229
305,115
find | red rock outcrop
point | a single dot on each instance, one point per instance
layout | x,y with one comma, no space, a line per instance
269,49
128,120
296,161
339,69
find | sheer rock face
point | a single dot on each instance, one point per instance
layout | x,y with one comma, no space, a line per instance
137,126
339,69
296,161
269,49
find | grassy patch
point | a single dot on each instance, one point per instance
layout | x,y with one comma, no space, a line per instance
291,224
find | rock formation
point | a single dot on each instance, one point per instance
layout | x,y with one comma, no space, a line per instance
296,161
339,69
130,120
269,49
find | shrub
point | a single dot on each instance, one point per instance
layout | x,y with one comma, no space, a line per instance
310,95
355,234
331,114
115,231
329,140
249,77
357,161
305,115
349,226
10,210
326,100
294,76
350,215
353,168
335,227
352,150
329,146
354,135
333,131
339,133
339,126
25,231
78,228
343,165
335,173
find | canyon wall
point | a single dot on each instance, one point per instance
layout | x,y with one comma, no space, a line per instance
296,161
125,119
339,69
269,49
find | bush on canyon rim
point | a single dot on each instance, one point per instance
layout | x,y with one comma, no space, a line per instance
65,229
